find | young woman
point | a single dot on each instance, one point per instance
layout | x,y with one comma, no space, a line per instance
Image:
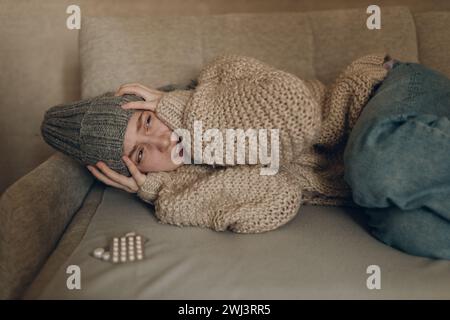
371,99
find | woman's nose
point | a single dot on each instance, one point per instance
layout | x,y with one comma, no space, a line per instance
162,141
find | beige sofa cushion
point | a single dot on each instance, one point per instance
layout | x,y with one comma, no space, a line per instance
323,253
434,39
340,36
160,50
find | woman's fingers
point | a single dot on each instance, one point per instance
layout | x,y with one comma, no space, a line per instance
137,175
150,96
106,180
140,105
130,85
117,177
139,90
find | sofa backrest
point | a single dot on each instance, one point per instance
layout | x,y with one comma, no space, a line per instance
162,50
433,37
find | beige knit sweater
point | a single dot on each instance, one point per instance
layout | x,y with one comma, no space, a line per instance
242,92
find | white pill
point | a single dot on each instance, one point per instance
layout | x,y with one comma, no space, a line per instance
140,256
98,252
115,259
106,256
132,258
123,259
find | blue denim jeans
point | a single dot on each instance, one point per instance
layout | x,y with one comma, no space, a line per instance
397,161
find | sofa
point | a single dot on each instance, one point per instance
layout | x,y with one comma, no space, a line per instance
57,214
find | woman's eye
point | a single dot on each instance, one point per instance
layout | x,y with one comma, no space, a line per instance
139,157
148,121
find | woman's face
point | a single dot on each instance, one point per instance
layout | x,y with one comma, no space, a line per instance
148,143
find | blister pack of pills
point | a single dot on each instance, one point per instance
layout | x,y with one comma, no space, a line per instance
127,248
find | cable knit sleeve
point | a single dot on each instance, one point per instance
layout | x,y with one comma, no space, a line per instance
171,106
239,92
237,199
153,184
348,95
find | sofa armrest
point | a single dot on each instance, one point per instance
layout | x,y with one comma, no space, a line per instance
34,213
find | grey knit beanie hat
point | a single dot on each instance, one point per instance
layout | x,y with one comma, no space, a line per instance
93,130
90,130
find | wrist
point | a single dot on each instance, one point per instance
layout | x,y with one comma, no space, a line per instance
151,187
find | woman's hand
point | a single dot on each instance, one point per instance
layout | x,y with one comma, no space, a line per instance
110,177
151,96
